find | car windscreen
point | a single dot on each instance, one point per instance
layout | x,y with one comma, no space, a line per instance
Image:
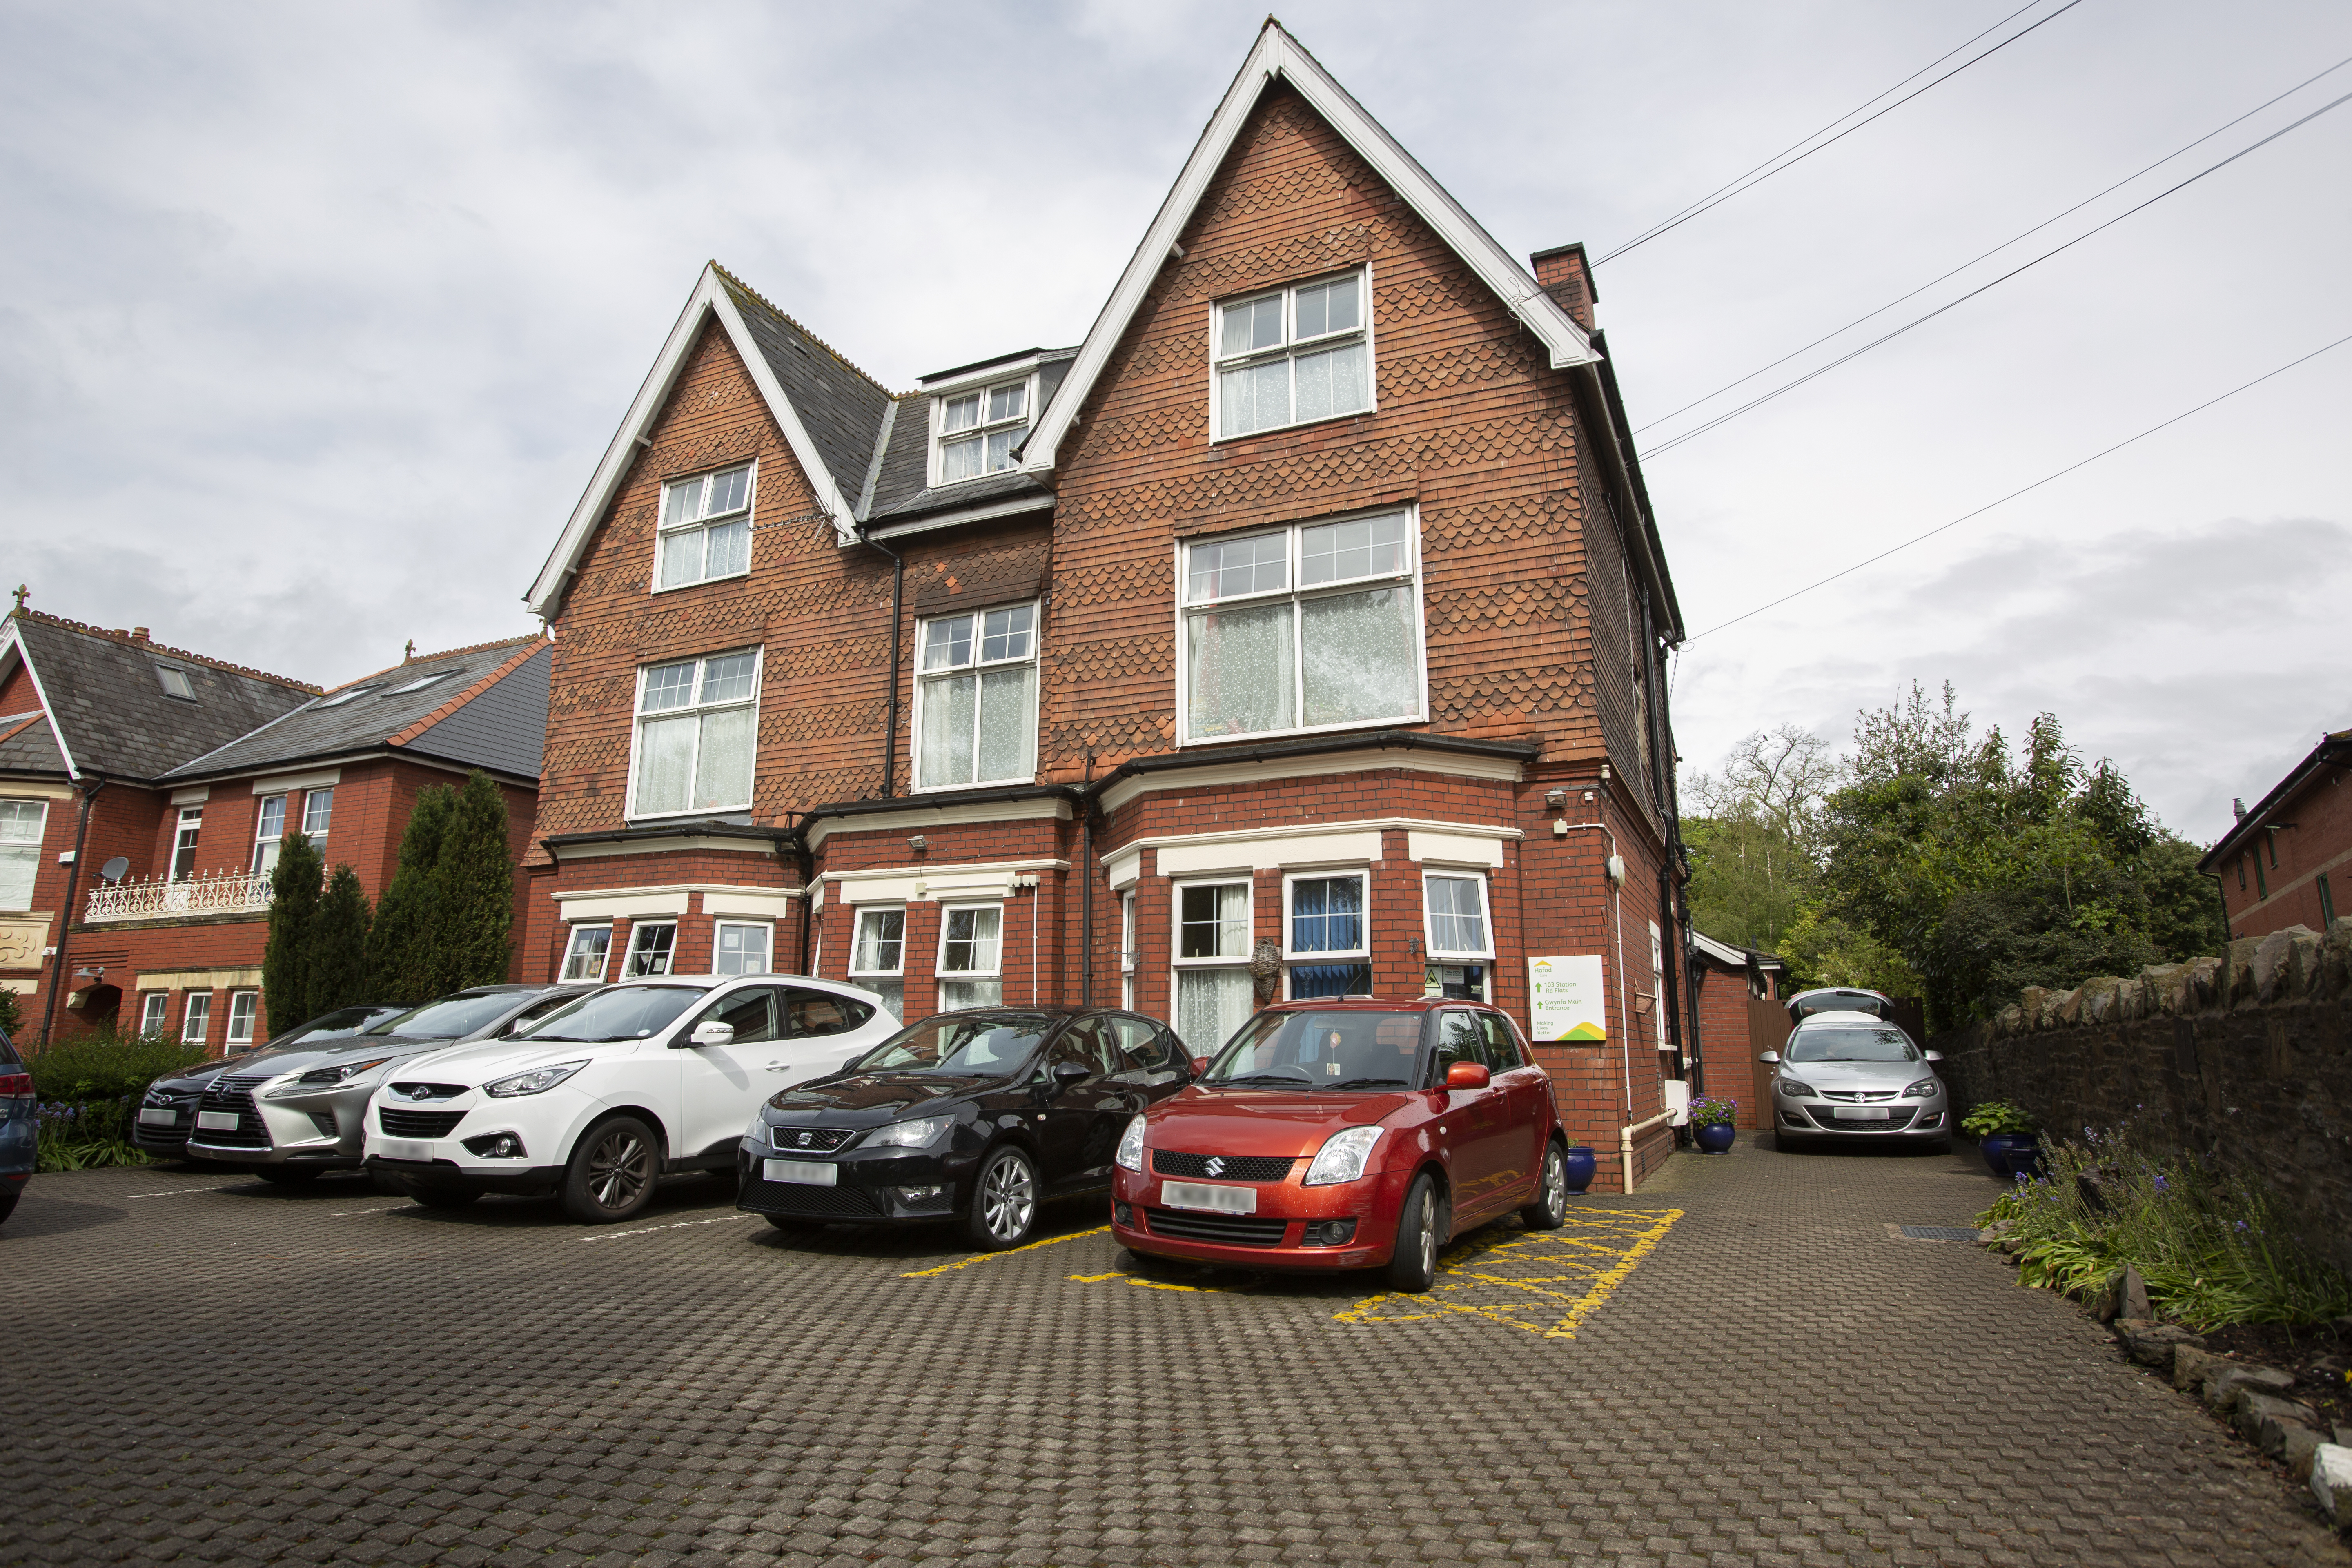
990,1046
623,1013
450,1018
1847,1042
333,1026
1353,1049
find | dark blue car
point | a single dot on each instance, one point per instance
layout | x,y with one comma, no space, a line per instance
19,1127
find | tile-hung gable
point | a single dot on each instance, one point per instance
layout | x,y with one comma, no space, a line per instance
1293,634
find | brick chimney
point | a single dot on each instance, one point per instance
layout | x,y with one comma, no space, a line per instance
1567,277
139,634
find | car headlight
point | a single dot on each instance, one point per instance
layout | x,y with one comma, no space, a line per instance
326,1077
1343,1157
537,1080
914,1134
1791,1087
1924,1090
1130,1147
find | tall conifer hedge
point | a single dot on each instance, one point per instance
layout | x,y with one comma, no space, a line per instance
400,968
286,961
339,932
447,919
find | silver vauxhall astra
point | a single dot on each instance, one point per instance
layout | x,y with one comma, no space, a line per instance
1851,1076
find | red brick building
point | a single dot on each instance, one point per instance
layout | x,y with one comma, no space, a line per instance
2286,862
1297,633
1726,980
145,791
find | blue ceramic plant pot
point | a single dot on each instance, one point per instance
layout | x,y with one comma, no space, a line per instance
2011,1154
1716,1137
1580,1168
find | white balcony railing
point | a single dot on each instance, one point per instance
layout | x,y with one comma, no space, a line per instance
224,893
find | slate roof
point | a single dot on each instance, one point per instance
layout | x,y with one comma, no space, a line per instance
487,709
106,697
840,406
27,744
900,492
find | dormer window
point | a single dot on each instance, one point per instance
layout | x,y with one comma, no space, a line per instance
705,527
177,683
1293,356
978,429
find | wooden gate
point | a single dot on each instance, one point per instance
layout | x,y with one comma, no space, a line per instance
1767,1030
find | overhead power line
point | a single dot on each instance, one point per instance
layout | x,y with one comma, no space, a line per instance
1996,250
1775,164
2046,479
1697,430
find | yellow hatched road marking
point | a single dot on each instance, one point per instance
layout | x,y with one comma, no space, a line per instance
1546,1282
1009,1252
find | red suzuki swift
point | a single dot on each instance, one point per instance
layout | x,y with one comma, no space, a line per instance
1346,1134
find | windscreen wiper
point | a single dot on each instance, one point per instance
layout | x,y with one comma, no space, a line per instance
1364,1083
1265,1078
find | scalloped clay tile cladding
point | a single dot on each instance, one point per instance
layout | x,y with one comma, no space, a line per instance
190,771
1295,632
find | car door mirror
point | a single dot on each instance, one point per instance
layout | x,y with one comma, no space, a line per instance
1772,1056
1067,1073
712,1033
1467,1075
1933,1055
1198,1066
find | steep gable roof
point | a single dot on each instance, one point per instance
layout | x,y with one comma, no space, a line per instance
830,412
27,744
107,711
438,719
1278,57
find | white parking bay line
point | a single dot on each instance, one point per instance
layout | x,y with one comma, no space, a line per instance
175,1192
390,1208
682,1225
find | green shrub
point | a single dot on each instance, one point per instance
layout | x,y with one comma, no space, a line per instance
107,1066
2213,1248
1995,1116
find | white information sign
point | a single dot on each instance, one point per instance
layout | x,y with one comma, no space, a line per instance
1564,999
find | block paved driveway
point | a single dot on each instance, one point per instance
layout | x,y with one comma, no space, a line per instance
1737,1364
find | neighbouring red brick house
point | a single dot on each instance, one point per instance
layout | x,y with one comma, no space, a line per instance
2285,862
1725,979
190,772
1297,633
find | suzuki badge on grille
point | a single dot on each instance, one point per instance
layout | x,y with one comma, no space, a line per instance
1217,1165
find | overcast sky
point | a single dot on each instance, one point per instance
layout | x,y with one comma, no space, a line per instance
315,319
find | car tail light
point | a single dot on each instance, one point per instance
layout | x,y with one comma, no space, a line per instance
16,1084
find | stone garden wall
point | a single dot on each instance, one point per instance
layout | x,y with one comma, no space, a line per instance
2244,1059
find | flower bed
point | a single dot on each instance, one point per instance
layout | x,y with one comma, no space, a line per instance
88,1091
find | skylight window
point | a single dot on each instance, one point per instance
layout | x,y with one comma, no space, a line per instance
177,683
340,698
420,683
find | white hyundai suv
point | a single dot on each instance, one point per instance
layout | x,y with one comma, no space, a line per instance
598,1100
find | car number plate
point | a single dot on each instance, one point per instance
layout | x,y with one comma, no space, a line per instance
402,1149
1862,1113
1202,1196
216,1120
808,1172
157,1116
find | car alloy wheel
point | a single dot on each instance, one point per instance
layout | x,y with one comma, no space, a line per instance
613,1173
1549,1210
1413,1266
1004,1201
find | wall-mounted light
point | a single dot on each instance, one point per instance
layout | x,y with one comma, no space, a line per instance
1556,800
919,843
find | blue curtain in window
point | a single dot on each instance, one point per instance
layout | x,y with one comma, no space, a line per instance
1330,980
1326,915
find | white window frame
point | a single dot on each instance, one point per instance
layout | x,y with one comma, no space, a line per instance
340,698
30,849
421,682
244,1009
700,708
629,970
196,1019
1290,348
942,975
1248,885
980,431
767,930
191,826
154,1011
313,801
1296,596
1291,958
571,952
1429,926
667,531
978,667
1128,956
886,984
167,673
274,842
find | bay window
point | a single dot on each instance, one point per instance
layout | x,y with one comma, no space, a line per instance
652,943
1293,356
268,833
1213,995
705,527
877,958
585,957
978,430
1453,915
1324,937
741,948
698,728
1313,626
21,823
971,966
976,699
1127,954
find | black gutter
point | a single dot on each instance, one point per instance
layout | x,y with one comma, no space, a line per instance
58,973
358,751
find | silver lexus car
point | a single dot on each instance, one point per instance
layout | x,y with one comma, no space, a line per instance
1850,1077
302,1112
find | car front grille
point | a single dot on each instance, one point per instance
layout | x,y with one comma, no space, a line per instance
808,1140
1230,1167
418,1123
1828,1117
324,1120
803,1200
428,1090
1858,1096
233,1094
1226,1230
